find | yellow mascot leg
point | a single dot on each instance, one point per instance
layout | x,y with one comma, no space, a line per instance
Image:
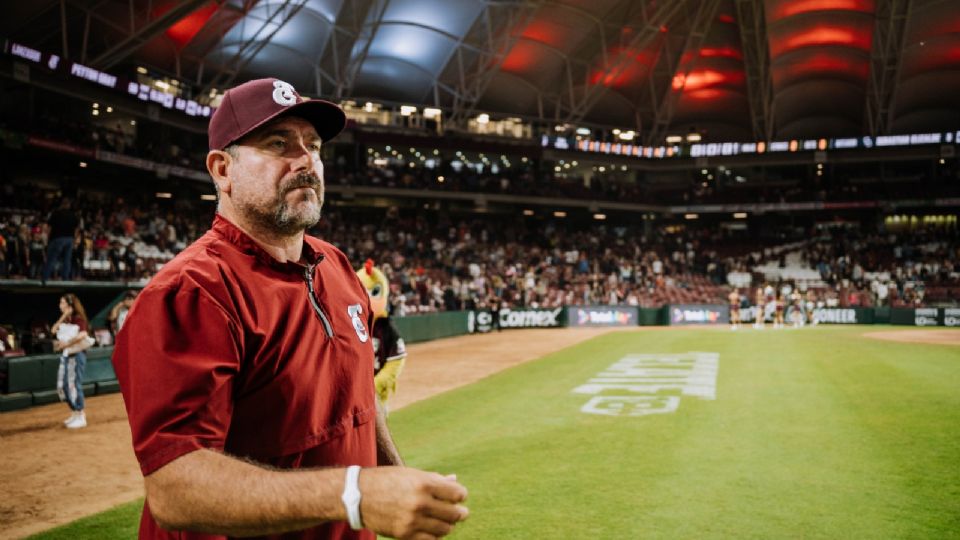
386,380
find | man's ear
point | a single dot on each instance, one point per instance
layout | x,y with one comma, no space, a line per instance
218,162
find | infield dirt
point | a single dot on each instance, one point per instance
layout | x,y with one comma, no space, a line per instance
53,475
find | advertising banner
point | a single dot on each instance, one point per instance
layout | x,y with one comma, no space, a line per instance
843,315
951,317
484,320
698,314
602,316
926,317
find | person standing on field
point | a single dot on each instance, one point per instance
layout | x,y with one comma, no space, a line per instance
72,340
246,364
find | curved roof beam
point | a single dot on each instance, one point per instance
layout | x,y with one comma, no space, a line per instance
756,66
352,69
452,37
400,61
665,12
500,41
125,48
251,47
667,102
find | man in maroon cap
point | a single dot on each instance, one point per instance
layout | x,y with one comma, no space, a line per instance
246,364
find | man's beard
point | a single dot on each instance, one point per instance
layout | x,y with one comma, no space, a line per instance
281,217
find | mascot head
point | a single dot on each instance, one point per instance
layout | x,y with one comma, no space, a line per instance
377,287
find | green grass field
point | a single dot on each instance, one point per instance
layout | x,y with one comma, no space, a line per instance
814,433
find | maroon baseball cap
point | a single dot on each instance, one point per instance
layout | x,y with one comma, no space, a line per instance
246,107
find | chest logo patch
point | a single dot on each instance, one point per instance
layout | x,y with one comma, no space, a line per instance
354,311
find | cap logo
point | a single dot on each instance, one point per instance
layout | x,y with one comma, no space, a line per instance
283,93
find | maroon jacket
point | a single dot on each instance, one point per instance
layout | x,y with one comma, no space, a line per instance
225,349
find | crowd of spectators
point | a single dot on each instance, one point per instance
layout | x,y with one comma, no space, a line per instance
438,262
114,238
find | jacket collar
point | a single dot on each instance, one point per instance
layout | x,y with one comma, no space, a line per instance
232,234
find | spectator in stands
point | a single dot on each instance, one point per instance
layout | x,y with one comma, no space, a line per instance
72,340
17,257
37,252
63,229
115,256
118,313
129,262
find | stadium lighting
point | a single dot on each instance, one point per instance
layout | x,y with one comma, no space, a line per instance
627,135
162,85
83,164
164,195
407,110
691,216
208,197
528,212
674,139
583,131
599,217
740,215
431,112
133,122
96,105
560,214
616,131
96,112
942,161
368,106
483,118
693,137
440,179
109,109
141,70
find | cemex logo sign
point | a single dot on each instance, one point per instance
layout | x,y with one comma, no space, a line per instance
530,318
925,317
482,321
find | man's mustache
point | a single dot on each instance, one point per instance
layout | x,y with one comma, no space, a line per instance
303,180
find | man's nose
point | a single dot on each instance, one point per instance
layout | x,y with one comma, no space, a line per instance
305,160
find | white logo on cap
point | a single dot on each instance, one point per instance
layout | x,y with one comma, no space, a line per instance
283,93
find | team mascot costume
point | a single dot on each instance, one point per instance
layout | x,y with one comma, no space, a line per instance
389,352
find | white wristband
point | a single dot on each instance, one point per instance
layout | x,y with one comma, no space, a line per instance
351,497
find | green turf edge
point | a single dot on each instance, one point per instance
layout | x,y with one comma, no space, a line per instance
120,522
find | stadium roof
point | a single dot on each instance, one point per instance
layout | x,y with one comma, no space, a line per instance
730,69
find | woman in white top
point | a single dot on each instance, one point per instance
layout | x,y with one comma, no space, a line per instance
72,340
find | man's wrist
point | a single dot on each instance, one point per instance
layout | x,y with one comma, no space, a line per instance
351,497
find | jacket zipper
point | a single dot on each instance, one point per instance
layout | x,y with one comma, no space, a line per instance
308,275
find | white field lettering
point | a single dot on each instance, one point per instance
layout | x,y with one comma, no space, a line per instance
642,384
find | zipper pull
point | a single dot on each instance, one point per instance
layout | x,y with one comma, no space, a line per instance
311,295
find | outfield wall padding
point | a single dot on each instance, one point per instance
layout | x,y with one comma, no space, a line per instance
417,328
18,400
652,316
39,372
